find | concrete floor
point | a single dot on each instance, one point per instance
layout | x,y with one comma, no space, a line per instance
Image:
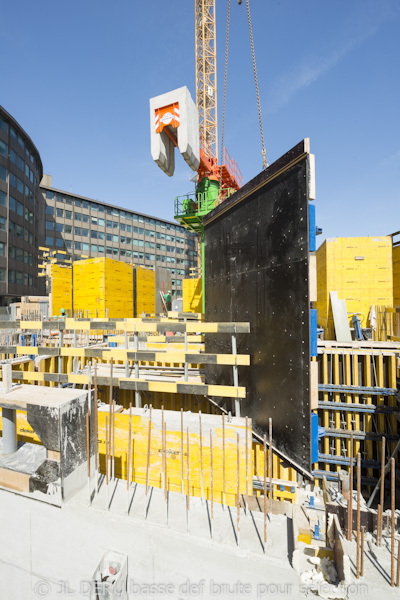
49,552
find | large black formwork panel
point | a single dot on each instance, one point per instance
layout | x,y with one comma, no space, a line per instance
256,270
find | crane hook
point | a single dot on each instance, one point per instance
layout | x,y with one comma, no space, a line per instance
239,2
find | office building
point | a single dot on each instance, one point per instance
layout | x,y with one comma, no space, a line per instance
85,227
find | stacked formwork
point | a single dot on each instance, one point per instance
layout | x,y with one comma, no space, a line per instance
396,275
103,287
192,295
357,397
145,291
60,293
360,271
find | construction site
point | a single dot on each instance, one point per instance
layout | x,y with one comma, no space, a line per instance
240,439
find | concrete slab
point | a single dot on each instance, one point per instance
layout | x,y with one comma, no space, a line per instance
49,552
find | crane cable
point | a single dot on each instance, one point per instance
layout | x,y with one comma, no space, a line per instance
263,152
224,100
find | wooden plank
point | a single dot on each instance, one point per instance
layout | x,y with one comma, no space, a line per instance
14,480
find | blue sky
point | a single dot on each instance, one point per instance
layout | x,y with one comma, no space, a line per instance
78,77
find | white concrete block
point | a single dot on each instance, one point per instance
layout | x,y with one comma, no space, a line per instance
183,122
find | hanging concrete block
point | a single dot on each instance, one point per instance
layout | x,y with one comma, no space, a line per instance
174,121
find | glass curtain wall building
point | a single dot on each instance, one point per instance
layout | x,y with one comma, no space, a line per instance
20,174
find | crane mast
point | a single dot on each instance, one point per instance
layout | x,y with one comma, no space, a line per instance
206,75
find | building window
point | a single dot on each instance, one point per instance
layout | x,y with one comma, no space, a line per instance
59,243
77,246
93,247
85,204
77,202
85,246
50,225
77,216
3,173
60,227
49,195
2,274
77,231
60,212
11,276
3,198
49,240
3,125
85,218
3,148
2,249
68,214
19,277
68,229
85,232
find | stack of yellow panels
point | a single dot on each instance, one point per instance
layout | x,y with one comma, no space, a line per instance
360,271
104,287
61,289
145,291
192,295
396,275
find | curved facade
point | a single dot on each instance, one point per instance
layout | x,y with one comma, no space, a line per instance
21,171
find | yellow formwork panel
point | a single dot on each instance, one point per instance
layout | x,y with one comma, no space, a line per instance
61,289
193,460
192,295
104,287
396,275
360,271
145,291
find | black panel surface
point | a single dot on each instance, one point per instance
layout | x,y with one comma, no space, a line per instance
256,270
45,421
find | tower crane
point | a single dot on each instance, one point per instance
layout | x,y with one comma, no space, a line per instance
172,119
